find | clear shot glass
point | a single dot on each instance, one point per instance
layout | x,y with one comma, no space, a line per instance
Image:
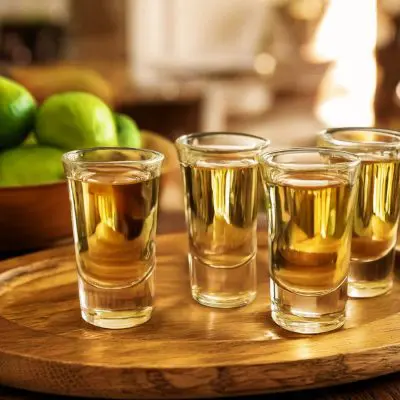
311,194
221,176
377,210
114,201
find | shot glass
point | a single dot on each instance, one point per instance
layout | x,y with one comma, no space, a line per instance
114,202
311,194
377,210
220,174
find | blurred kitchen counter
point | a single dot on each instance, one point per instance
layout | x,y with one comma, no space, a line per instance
168,108
174,107
290,122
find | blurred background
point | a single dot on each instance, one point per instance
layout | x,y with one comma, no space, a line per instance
282,69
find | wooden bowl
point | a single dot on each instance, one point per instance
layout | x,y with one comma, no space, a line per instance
34,217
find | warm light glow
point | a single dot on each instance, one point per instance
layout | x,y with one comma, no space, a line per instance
347,37
264,64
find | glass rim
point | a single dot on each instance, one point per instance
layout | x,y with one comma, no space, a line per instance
183,141
328,135
72,157
351,160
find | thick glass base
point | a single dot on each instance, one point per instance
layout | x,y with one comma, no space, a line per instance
308,314
223,300
117,308
371,278
116,319
365,289
223,287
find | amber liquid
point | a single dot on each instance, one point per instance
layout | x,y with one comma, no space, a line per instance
375,228
114,214
310,233
221,209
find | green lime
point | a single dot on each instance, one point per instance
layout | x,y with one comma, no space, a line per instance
75,120
17,113
30,140
30,165
128,132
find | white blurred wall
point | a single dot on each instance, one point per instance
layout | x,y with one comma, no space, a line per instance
217,27
182,32
55,10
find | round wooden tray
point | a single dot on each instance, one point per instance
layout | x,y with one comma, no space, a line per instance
185,350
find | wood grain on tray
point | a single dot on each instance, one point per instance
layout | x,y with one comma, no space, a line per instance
185,350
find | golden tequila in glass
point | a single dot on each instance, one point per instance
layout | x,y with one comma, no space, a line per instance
114,199
220,174
377,210
311,203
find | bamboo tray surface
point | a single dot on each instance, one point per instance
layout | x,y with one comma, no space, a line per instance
185,350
